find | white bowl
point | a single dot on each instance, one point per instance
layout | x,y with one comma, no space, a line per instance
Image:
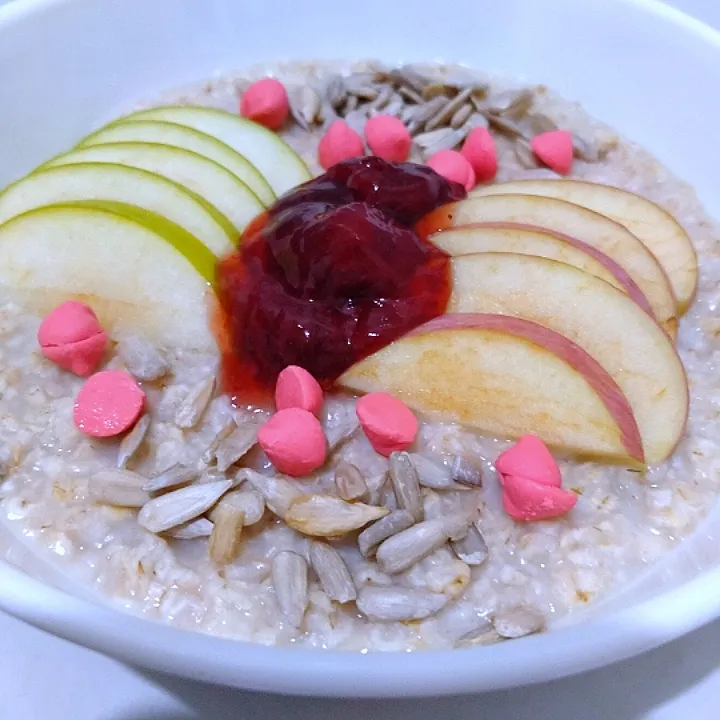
650,71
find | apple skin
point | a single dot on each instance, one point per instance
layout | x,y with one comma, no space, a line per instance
622,278
508,377
656,228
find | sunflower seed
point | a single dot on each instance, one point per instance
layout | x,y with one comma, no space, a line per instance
350,482
278,493
424,112
476,119
325,516
430,474
289,574
407,93
384,96
336,92
236,445
442,117
398,604
401,551
376,488
226,428
505,126
466,471
483,635
224,543
171,478
332,572
405,483
518,622
307,106
426,139
407,76
472,549
192,408
450,142
524,154
201,527
394,107
540,123
180,506
373,535
121,488
512,104
585,150
249,502
439,90
338,435
364,92
351,103
461,115
408,113
461,620
142,359
132,441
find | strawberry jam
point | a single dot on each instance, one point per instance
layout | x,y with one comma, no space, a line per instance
332,273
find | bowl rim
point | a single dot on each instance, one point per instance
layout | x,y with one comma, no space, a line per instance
563,652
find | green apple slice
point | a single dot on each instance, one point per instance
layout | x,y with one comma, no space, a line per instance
211,181
121,184
282,167
137,281
166,133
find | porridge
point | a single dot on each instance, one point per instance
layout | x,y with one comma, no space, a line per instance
377,509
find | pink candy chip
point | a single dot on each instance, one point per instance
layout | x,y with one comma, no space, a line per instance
388,138
479,150
266,102
388,423
554,149
72,337
108,404
531,482
339,143
453,166
297,388
294,441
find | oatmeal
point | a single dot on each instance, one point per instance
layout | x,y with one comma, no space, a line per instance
185,520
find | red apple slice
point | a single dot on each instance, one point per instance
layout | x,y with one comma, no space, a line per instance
592,228
507,377
603,321
530,240
656,228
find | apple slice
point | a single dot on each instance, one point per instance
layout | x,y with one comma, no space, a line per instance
121,184
507,377
137,281
592,228
528,240
656,228
183,137
282,167
603,321
211,181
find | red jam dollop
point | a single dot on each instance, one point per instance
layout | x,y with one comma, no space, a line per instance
332,273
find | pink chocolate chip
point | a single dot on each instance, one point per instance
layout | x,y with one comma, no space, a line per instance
554,149
109,403
297,388
388,138
527,500
479,150
339,143
389,423
453,166
266,102
530,458
293,439
72,337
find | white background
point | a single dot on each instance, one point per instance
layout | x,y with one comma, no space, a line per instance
42,678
